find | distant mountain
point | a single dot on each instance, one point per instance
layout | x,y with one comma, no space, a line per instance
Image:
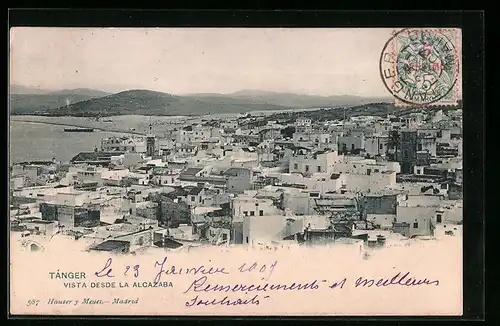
33,103
145,102
306,101
205,95
19,89
89,102
81,91
253,92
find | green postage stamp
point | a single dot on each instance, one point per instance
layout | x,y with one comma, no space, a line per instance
421,66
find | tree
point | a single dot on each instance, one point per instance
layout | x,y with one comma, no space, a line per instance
393,144
288,131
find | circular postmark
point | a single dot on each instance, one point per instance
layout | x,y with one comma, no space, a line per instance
420,66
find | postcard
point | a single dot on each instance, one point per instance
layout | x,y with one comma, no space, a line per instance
235,171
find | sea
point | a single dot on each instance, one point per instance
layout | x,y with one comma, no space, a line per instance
34,138
30,141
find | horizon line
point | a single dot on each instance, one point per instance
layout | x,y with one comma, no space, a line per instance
48,91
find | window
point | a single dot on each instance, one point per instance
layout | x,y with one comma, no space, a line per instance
439,217
295,166
376,170
419,147
193,198
307,168
257,204
247,239
319,168
245,213
380,146
261,213
415,225
368,171
252,213
352,147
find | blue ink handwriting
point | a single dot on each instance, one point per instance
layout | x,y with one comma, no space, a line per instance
106,271
338,284
197,301
199,270
106,268
201,285
395,280
255,266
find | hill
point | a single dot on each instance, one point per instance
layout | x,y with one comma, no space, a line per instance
89,102
39,103
91,93
293,100
145,102
381,109
19,89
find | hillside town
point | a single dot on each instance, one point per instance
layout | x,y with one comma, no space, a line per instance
249,181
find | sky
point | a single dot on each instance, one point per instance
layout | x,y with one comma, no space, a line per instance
200,60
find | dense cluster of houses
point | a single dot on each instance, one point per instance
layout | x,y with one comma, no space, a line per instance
227,183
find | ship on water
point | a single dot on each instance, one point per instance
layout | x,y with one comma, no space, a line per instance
79,129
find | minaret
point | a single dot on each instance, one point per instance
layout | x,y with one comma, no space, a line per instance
150,141
343,123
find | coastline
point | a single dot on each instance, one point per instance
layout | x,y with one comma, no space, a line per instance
138,124
35,140
99,128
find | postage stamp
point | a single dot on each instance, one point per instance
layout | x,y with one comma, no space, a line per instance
421,66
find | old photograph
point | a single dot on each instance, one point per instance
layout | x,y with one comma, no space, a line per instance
235,171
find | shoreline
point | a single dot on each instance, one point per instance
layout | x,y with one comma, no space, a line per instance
81,126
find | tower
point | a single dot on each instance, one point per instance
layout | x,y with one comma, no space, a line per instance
150,141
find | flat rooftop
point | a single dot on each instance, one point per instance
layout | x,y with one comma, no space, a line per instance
111,245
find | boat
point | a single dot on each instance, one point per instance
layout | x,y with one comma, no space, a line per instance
79,129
